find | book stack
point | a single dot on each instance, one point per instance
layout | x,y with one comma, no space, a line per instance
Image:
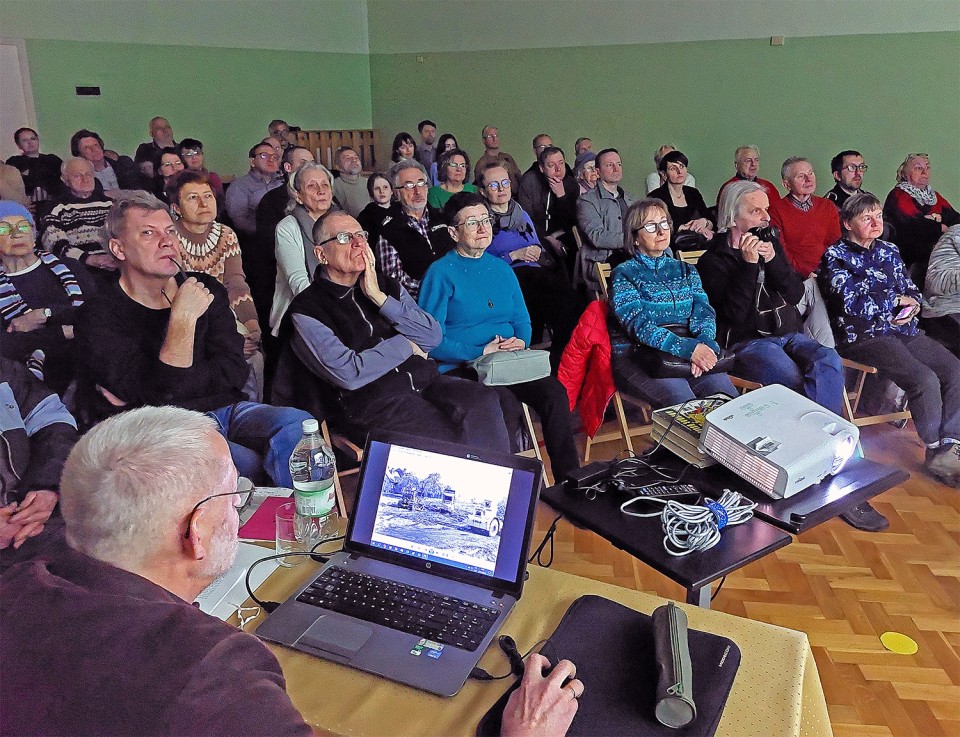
678,428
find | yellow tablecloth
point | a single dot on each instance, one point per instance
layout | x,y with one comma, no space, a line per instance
777,690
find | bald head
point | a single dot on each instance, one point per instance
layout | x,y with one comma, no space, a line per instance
78,175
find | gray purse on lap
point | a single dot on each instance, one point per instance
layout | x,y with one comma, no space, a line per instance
504,368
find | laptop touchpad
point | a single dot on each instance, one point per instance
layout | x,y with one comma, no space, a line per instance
336,635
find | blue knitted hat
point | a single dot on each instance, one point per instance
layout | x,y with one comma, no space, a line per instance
9,207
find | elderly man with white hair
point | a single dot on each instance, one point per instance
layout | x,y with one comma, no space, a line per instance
746,160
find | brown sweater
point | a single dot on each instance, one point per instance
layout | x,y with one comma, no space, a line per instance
218,254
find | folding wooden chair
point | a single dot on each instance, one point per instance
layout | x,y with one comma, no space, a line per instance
851,398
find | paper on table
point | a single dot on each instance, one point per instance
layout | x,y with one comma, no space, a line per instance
262,524
225,595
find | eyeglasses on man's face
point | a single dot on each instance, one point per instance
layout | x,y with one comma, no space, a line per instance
473,224
343,238
663,225
496,186
419,184
268,157
854,168
7,228
244,498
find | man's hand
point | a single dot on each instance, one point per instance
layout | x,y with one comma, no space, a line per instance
7,530
32,514
111,397
528,253
251,339
102,261
368,280
417,350
28,321
191,301
702,360
750,248
540,707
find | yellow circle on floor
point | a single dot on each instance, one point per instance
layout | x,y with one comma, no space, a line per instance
899,643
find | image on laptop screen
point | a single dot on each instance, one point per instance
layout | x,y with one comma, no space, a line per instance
442,509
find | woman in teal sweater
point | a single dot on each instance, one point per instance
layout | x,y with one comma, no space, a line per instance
477,301
654,289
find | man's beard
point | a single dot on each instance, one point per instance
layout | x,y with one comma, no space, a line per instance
223,553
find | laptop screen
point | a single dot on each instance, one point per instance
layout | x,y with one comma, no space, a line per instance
446,508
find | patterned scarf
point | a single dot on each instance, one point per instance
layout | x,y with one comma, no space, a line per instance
925,196
12,304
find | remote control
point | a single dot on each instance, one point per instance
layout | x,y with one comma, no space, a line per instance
668,491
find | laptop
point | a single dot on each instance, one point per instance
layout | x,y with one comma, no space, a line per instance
433,561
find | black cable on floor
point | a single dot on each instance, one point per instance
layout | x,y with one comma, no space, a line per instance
546,538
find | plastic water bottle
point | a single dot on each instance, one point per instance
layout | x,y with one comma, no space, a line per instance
312,466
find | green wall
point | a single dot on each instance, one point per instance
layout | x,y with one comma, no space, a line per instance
223,96
885,95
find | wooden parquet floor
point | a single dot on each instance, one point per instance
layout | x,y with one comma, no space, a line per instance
844,588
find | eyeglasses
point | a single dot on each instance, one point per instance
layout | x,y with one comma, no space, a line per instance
491,135
343,237
496,186
22,227
419,184
454,165
245,497
854,168
169,164
588,169
663,225
473,224
192,152
266,156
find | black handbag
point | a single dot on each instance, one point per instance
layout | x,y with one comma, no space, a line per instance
662,365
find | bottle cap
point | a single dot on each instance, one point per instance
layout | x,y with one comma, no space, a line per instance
311,425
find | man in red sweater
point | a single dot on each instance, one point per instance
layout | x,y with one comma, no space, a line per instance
808,226
746,160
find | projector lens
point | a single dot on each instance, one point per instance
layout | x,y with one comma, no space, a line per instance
843,451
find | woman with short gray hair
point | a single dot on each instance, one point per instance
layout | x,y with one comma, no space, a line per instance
312,190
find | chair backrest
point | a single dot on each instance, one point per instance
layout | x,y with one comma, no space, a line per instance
690,257
603,276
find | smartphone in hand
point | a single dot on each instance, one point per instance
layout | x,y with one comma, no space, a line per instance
904,313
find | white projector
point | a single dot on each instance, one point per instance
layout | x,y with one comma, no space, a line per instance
778,440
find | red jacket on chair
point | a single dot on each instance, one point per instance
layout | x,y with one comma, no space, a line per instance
585,369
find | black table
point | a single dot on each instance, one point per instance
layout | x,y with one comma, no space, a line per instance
859,481
643,539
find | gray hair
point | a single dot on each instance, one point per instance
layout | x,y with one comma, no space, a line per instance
660,153
394,173
855,206
729,205
73,161
129,483
741,149
790,162
133,199
295,181
902,169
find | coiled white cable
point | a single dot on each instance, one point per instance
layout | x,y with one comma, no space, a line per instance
689,528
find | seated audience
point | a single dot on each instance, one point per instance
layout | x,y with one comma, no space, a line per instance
211,248
260,255
350,188
11,186
366,339
866,286
918,213
38,433
413,235
658,178
274,143
941,293
490,136
548,193
848,170
312,186
685,204
600,219
192,152
39,297
550,300
477,301
154,338
120,594
74,228
582,145
452,170
404,147
585,171
168,166
540,142
147,156
426,152
808,225
381,197
245,193
41,172
280,130
746,161
446,142
114,174
652,290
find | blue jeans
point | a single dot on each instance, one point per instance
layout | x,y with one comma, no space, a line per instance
261,438
630,377
796,361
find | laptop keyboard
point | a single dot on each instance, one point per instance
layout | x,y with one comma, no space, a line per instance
416,611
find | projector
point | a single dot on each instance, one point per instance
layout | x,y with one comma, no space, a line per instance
778,440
